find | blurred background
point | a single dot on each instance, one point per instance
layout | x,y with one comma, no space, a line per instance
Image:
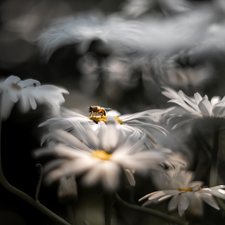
113,53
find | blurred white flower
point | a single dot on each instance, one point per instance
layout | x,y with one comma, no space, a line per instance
185,193
145,121
198,106
100,156
136,8
28,94
127,36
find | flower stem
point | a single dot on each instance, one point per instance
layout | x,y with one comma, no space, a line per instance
23,195
213,171
150,211
215,148
108,208
39,182
201,140
70,212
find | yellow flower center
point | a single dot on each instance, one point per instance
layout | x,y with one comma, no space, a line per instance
16,86
100,154
188,189
97,119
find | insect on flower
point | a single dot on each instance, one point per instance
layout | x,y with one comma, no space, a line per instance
94,109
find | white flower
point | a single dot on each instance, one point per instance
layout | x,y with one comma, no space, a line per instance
28,94
100,156
198,106
143,122
184,193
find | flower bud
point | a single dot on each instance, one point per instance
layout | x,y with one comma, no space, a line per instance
67,192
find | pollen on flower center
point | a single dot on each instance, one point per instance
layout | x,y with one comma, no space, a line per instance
15,86
101,154
188,189
97,119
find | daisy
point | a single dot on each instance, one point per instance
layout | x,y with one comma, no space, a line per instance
100,156
28,94
185,193
198,106
143,122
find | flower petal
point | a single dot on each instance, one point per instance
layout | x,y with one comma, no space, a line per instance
209,200
205,106
197,97
173,203
130,177
183,203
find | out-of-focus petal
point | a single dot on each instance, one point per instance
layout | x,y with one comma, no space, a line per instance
209,200
205,106
173,203
130,177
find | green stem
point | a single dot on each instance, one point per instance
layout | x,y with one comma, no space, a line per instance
23,195
39,182
201,140
215,148
108,208
213,171
70,212
150,211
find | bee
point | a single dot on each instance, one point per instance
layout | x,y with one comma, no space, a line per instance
94,109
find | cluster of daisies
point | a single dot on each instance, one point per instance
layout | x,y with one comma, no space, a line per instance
101,148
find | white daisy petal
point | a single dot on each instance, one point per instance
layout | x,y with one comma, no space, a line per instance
29,82
205,106
173,203
189,100
111,175
182,203
70,167
130,177
93,176
185,106
157,195
188,177
111,135
218,192
12,80
170,93
209,200
197,97
67,138
195,184
215,100
32,101
164,198
24,103
148,195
